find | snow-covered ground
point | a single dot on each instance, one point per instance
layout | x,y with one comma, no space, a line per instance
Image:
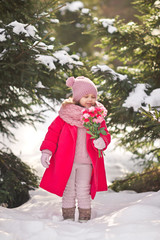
115,216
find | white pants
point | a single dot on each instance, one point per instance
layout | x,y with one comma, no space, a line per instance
78,187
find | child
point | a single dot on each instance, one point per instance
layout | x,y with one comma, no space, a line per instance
75,171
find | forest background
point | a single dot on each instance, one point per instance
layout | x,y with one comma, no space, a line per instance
43,43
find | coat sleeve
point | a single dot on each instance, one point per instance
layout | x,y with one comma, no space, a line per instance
51,139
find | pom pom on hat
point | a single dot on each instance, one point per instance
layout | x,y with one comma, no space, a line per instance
70,81
81,86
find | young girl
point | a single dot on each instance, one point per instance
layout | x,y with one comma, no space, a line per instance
74,170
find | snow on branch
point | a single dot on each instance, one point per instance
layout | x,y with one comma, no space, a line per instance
60,56
28,30
72,7
2,35
18,28
49,60
105,68
106,23
138,97
65,58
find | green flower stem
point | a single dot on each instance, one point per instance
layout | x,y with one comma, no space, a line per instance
99,153
94,131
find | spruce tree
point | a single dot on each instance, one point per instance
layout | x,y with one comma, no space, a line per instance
130,77
33,70
32,62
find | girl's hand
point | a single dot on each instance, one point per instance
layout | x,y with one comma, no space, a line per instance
99,143
45,158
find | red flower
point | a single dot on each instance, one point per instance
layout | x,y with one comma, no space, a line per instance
86,120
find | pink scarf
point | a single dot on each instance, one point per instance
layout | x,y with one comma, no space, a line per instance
72,114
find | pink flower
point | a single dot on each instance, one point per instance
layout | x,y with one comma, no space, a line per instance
100,119
95,120
86,115
91,109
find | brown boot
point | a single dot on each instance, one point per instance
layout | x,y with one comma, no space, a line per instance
68,213
84,214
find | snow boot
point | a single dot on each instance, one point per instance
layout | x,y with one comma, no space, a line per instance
68,213
84,214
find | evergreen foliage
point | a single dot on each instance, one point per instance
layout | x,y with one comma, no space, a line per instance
133,52
73,26
31,67
33,70
147,181
16,179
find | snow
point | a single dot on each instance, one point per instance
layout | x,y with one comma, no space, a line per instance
62,56
2,53
41,45
107,23
40,85
43,14
130,23
154,98
138,96
48,61
28,30
72,7
65,58
157,4
105,68
52,39
85,11
55,20
115,216
2,35
156,32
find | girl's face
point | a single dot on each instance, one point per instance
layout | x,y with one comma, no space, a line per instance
88,100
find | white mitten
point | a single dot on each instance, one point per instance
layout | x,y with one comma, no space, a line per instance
45,158
99,143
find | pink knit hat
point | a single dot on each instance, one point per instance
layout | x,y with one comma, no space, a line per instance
81,86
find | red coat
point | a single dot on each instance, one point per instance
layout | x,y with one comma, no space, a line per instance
61,140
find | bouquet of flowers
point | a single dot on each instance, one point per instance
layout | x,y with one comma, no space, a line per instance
92,118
